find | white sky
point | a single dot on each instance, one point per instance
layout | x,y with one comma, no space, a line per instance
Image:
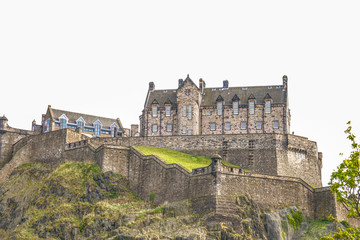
97,57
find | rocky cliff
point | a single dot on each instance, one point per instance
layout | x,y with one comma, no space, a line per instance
79,201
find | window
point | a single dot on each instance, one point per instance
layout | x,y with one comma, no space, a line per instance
276,124
251,144
190,132
219,108
267,107
47,123
236,108
252,107
258,125
212,126
227,126
169,127
190,112
243,125
167,111
80,125
154,111
62,123
184,111
155,128
97,129
184,130
187,92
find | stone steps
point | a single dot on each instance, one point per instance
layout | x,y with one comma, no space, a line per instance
225,205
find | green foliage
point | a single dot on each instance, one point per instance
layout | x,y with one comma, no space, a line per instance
343,234
295,219
188,161
345,182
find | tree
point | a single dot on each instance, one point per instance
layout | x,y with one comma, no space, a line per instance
345,182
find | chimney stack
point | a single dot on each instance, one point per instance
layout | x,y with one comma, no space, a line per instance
285,81
181,83
151,86
202,84
225,84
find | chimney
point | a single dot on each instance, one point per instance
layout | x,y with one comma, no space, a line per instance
181,83
202,84
3,123
285,81
151,86
225,84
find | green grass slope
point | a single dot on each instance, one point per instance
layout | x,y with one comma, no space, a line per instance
188,161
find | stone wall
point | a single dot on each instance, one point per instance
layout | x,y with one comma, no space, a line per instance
274,154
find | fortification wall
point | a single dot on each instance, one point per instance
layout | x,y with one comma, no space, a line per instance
273,154
7,139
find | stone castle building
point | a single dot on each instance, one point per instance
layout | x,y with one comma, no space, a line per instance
197,110
94,126
246,126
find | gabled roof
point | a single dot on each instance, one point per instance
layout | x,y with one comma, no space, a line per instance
89,119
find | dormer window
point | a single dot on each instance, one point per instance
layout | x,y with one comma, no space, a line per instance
236,107
154,111
267,106
63,121
167,111
252,107
219,108
97,126
113,128
80,124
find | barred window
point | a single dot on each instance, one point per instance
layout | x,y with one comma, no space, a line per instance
236,108
169,127
267,107
243,125
154,111
276,124
155,128
184,130
252,107
190,113
167,111
258,125
219,108
212,126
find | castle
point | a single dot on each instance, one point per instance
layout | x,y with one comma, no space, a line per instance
284,169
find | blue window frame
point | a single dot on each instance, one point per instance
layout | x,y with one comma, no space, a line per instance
97,129
80,124
62,123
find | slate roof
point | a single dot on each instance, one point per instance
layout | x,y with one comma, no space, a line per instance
276,93
89,119
162,97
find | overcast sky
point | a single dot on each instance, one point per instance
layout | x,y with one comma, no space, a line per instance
97,57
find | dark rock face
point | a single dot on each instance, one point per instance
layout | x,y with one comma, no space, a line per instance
77,201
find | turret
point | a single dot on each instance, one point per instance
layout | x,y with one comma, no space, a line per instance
3,123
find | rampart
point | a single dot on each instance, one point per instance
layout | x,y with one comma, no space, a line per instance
210,188
273,154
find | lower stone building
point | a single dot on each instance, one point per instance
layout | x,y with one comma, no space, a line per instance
90,125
